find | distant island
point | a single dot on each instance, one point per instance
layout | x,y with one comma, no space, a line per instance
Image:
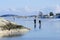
40,15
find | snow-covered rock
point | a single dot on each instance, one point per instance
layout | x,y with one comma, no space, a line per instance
8,28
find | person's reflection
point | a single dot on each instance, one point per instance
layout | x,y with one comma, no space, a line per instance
39,24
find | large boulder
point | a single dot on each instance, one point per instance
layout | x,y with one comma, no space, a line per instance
7,25
8,28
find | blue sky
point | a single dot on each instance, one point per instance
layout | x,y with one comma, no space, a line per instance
28,4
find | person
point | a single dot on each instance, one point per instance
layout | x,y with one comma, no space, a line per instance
39,24
34,23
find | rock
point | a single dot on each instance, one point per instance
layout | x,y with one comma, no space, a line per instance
8,28
5,24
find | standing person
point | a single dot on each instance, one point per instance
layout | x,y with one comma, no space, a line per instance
34,23
39,24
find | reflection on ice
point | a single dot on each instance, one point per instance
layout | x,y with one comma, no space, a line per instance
50,30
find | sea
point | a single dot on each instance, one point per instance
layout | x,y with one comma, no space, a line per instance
50,29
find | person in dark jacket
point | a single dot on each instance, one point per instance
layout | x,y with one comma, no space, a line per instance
39,24
34,23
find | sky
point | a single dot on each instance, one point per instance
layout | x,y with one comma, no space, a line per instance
29,5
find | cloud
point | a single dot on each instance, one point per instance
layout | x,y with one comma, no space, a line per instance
29,9
57,10
11,9
25,9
